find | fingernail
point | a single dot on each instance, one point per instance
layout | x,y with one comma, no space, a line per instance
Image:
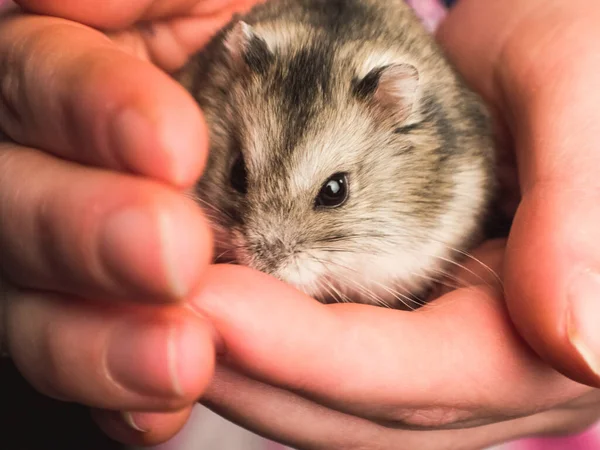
159,361
583,325
137,146
151,251
140,359
177,254
135,421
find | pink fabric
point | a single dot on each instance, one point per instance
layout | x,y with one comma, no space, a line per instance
590,440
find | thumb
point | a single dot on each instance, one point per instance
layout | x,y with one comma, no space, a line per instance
519,55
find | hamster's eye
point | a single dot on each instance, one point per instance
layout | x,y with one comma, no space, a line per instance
239,175
334,192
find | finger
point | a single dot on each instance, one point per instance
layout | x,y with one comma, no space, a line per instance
295,421
97,233
141,429
388,366
114,14
169,43
279,415
118,358
111,13
69,90
553,257
7,6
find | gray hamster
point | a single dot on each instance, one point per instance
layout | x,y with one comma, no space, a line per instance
347,157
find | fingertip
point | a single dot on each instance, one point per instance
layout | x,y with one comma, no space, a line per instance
582,323
185,136
154,128
161,248
104,107
161,133
172,357
552,290
135,358
141,428
192,358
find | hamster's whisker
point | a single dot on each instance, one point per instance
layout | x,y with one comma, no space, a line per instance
344,297
397,295
366,292
481,263
370,295
376,299
458,282
341,298
405,300
462,266
348,248
223,246
474,259
351,237
393,292
212,207
328,285
223,254
434,280
320,285
410,298
217,240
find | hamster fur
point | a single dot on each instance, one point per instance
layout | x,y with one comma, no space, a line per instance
347,158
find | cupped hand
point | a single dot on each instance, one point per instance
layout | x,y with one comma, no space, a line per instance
98,244
458,373
454,374
535,62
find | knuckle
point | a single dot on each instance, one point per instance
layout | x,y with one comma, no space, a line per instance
54,353
11,88
438,417
68,356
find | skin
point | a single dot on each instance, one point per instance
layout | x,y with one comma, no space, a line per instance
404,390
119,273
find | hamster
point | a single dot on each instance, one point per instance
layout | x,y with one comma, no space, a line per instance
347,157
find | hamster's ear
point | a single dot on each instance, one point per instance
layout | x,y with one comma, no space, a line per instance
393,87
246,48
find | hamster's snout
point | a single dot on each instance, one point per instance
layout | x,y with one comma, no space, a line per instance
262,252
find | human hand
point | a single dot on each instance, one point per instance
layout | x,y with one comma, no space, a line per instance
455,374
99,247
536,69
451,375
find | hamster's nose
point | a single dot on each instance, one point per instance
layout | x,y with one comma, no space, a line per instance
268,255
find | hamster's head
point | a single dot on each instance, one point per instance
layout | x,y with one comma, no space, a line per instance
350,178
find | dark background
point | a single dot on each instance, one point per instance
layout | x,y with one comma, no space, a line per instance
31,421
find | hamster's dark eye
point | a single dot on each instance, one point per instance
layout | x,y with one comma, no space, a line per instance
239,176
334,192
